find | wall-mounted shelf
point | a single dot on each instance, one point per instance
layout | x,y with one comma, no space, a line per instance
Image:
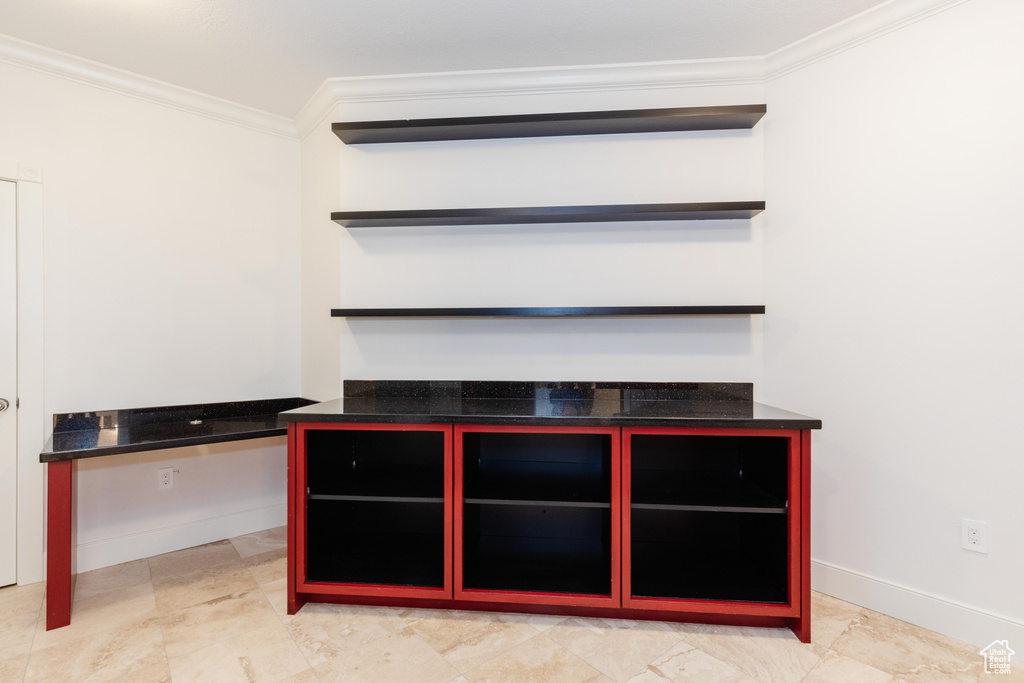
702,211
549,125
556,312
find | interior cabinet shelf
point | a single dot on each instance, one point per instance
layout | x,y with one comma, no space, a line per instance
549,125
543,565
400,467
701,491
733,571
537,503
548,483
374,499
546,312
598,213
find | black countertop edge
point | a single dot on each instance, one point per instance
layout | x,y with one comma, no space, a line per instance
797,422
528,389
132,417
112,432
48,455
504,402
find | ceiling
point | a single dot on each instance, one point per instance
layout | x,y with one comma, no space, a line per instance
274,54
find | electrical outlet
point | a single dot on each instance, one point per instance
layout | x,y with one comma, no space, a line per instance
974,535
165,478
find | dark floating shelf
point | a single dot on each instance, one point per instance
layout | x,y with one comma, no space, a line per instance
550,125
703,211
563,312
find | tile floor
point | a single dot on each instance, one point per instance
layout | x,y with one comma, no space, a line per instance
217,613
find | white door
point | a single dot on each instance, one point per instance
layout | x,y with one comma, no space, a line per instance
8,385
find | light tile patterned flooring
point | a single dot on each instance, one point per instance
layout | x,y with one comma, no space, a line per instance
217,613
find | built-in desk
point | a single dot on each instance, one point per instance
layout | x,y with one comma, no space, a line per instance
114,432
667,501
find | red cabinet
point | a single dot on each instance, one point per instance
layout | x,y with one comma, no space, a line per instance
712,522
370,511
634,522
537,515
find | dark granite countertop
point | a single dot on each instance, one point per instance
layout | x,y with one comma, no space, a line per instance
625,404
110,432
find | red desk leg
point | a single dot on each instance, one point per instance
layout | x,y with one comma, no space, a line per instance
295,600
802,624
60,524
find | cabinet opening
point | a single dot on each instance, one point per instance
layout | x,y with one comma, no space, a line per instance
729,556
549,549
695,471
386,543
368,463
537,467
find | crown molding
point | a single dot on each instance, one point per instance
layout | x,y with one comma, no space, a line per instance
63,65
322,105
857,30
861,28
534,81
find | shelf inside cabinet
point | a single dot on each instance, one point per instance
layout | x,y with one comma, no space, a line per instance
547,312
547,565
385,543
596,213
551,124
684,490
708,556
381,498
529,548
552,469
539,481
709,473
362,464
537,503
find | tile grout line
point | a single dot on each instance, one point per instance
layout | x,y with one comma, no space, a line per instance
494,620
40,614
717,659
662,653
159,623
538,635
284,625
545,636
828,648
160,614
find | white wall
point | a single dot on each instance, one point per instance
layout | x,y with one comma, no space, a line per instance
893,277
172,276
552,265
321,378
887,260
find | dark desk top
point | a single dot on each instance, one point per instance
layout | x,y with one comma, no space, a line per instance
625,404
110,432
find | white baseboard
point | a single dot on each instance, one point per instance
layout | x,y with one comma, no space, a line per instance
111,551
929,611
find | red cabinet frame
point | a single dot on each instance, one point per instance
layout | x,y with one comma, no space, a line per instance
620,603
531,597
298,585
797,609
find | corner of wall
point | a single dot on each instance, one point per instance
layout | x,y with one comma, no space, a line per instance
321,261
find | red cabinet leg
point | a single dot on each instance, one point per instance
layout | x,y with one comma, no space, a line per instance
802,625
60,511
